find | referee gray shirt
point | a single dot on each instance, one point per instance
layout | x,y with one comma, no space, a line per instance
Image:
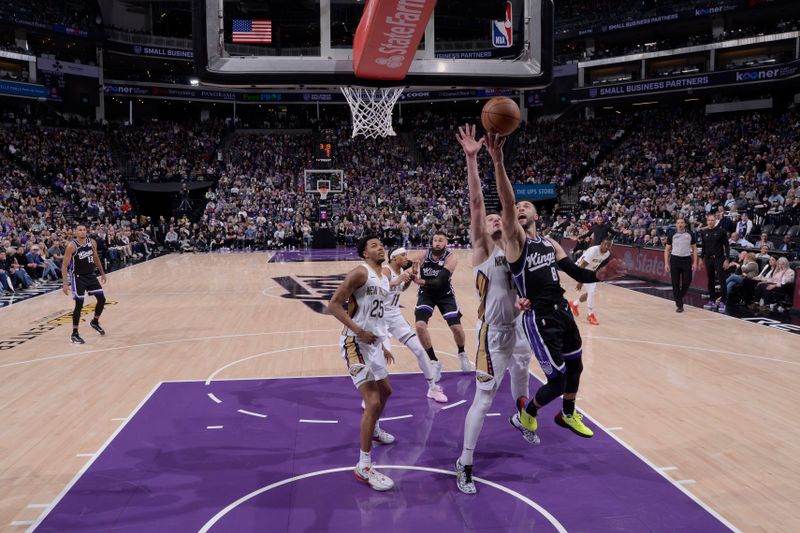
682,243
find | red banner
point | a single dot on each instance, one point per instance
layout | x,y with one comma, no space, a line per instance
388,36
648,264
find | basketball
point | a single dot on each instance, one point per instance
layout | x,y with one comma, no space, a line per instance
500,115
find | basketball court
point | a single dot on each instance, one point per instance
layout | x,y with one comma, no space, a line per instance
218,401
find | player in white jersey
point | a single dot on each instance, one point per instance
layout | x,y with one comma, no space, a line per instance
365,290
401,273
592,259
498,333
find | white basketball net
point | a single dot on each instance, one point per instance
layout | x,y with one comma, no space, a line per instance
371,109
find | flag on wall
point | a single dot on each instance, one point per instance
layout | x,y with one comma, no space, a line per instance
252,31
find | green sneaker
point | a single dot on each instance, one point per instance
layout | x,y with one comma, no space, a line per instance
575,424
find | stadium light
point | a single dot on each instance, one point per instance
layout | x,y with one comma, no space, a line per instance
194,82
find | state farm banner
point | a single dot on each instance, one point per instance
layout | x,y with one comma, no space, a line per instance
388,36
646,263
54,66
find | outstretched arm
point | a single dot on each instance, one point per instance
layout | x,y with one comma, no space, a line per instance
613,269
513,234
477,208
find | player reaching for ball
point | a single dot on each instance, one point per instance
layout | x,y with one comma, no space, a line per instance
549,325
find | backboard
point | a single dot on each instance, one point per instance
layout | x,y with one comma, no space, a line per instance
308,43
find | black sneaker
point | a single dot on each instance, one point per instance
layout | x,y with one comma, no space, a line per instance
464,478
679,309
96,326
76,339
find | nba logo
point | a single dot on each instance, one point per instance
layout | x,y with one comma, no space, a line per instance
502,30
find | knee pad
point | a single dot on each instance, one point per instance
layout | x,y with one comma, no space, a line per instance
484,381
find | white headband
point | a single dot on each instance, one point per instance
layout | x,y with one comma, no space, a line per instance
397,252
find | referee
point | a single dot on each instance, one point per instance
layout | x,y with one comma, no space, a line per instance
680,259
715,256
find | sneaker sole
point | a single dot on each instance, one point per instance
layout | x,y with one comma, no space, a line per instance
367,483
523,430
444,400
560,422
102,333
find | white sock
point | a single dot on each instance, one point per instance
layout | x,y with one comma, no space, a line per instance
431,384
364,459
377,428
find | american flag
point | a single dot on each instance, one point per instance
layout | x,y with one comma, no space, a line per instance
252,31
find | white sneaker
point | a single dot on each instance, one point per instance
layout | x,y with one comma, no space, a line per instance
373,478
436,366
383,437
464,360
436,393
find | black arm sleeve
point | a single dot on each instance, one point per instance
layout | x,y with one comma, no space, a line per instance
440,281
581,275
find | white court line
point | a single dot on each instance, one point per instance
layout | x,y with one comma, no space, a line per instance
401,417
251,413
310,421
667,468
89,463
18,523
213,397
170,341
684,347
615,428
210,378
456,404
213,427
646,461
524,499
492,414
686,481
85,455
39,506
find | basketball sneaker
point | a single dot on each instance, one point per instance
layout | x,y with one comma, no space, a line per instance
574,423
373,478
575,309
436,393
436,366
76,339
96,326
592,319
528,434
464,478
382,436
463,359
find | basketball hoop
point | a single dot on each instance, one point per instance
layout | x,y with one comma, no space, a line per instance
323,192
371,109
